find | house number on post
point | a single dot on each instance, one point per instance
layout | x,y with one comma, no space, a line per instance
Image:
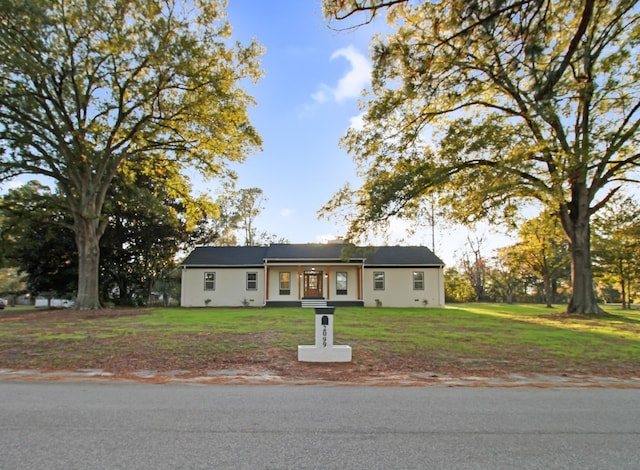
324,350
325,322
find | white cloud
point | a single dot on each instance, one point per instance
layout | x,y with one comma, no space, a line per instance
286,213
327,238
356,79
357,122
351,84
321,95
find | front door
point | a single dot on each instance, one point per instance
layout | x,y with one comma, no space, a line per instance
313,283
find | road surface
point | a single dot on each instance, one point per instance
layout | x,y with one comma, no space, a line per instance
60,425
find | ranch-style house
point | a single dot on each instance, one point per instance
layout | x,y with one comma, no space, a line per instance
312,275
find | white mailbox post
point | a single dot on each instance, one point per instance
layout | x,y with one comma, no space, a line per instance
324,350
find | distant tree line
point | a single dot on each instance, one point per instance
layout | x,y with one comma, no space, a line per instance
537,268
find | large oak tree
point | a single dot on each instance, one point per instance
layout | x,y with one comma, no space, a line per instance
534,100
87,85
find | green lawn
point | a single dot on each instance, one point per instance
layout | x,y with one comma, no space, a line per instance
470,338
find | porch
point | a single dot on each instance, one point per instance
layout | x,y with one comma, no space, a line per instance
313,285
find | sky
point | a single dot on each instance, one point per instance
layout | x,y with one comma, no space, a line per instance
306,102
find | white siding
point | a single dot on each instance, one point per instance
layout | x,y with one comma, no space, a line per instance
398,288
230,288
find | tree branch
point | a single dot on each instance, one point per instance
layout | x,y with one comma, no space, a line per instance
555,75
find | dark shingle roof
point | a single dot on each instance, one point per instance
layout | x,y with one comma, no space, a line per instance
285,251
226,256
401,255
255,255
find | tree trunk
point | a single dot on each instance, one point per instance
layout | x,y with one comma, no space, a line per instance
123,288
547,290
575,220
87,231
583,299
628,292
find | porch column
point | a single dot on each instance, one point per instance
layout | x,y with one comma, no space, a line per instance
328,282
266,281
299,283
360,276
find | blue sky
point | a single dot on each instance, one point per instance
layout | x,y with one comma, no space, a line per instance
306,102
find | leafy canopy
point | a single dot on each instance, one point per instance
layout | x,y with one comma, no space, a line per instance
86,84
89,88
526,99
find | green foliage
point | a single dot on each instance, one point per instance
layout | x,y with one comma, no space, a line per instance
234,223
37,239
542,252
505,283
617,247
146,229
527,100
456,287
10,283
91,88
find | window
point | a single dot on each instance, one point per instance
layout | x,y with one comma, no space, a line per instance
378,281
252,281
341,283
418,280
209,281
285,283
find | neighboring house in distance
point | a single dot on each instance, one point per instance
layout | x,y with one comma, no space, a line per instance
312,275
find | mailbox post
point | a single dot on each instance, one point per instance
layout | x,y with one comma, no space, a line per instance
324,350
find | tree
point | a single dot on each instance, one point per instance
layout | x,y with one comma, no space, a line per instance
237,210
90,85
146,229
542,251
457,287
504,276
37,240
474,267
10,284
617,245
250,203
534,100
219,228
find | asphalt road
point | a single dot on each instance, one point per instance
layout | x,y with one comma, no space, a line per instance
57,425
